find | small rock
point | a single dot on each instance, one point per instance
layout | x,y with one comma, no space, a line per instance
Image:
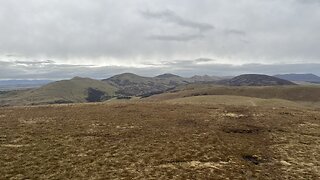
233,115
285,163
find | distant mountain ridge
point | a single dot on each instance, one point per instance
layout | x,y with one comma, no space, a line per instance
133,85
255,80
205,78
79,90
312,78
130,84
168,75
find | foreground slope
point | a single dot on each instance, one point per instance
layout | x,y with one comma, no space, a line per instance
293,93
234,100
75,90
159,141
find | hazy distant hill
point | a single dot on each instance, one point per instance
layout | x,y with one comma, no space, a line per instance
255,80
21,84
300,77
168,75
66,91
133,85
172,79
205,78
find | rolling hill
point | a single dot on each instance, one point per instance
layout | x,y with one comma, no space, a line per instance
300,77
76,90
168,76
79,90
205,78
297,93
133,85
255,80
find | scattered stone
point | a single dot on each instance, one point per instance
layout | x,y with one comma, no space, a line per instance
233,115
285,163
14,145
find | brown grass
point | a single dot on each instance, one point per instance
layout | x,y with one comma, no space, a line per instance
159,141
292,93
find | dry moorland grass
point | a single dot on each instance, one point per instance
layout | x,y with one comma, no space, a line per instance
159,141
300,93
235,100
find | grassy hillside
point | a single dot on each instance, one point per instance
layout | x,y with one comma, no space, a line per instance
292,93
255,80
133,85
66,91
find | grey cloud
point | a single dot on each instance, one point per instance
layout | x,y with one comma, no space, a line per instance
177,63
35,62
172,17
184,68
109,32
204,60
185,63
189,69
234,32
11,55
309,1
178,38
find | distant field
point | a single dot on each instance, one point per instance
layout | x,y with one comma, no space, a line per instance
159,140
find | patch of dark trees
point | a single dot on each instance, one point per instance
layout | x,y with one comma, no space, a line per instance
61,101
124,97
145,95
3,92
95,95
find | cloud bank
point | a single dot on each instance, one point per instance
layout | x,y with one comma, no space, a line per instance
110,33
54,71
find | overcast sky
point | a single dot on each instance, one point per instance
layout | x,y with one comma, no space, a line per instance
59,39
